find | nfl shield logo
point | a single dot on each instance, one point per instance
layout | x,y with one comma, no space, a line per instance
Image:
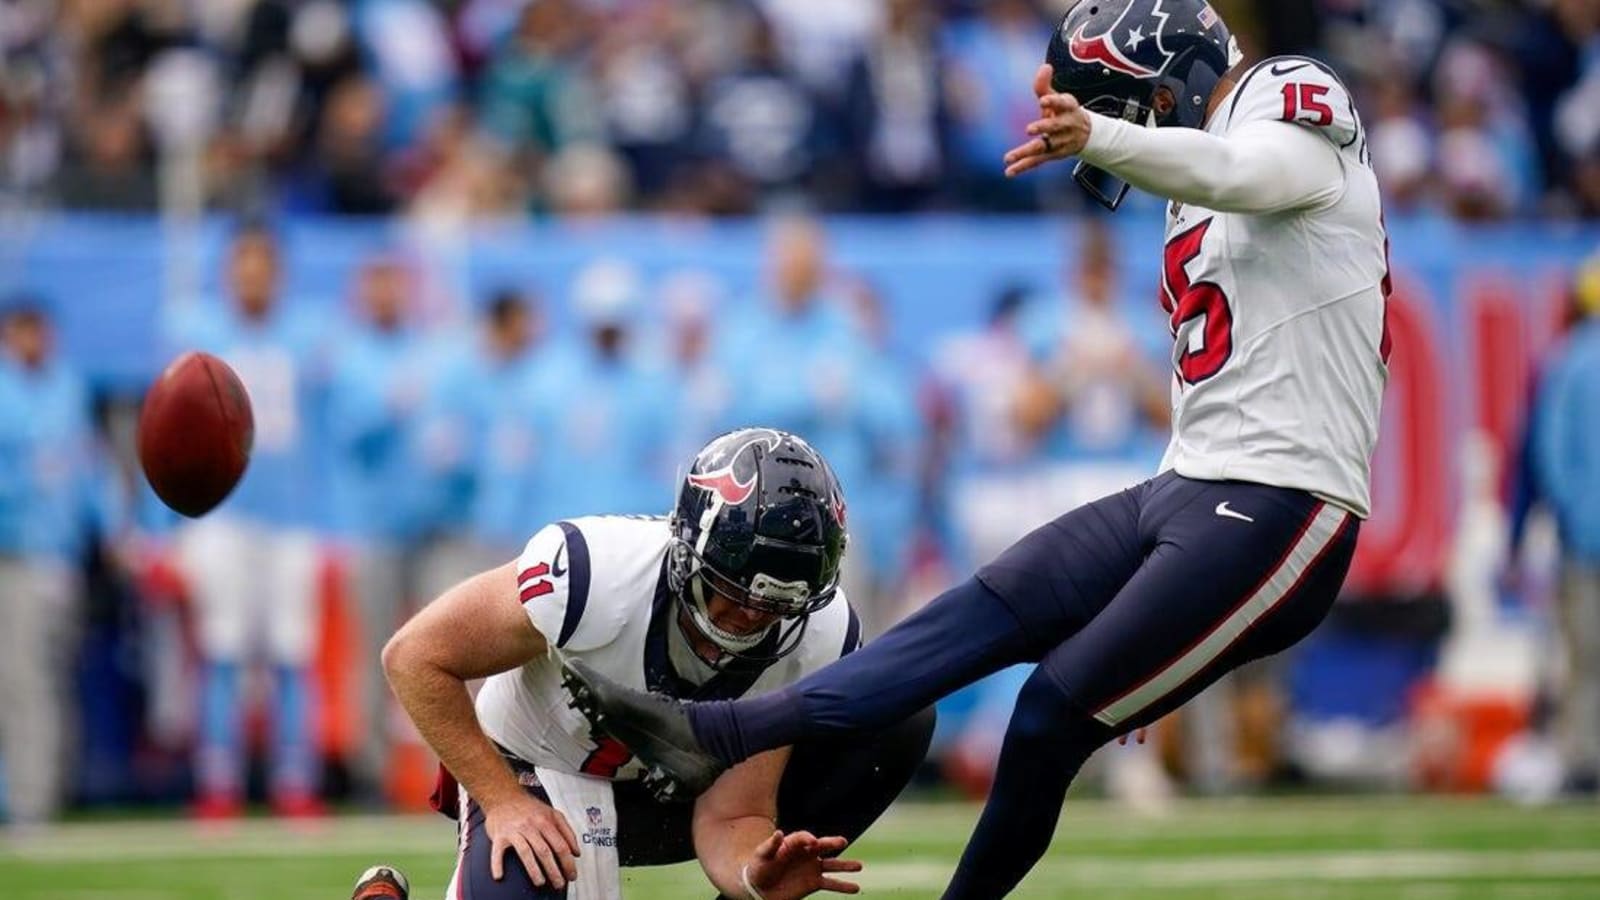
594,816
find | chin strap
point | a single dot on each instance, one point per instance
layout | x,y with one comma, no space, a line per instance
726,640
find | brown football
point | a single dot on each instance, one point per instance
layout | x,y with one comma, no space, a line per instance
195,432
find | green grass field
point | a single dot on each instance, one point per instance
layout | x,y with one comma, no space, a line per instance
1300,848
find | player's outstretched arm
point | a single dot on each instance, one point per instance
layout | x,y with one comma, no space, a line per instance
1260,167
742,851
474,630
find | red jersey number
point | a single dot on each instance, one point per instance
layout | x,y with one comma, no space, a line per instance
609,756
1303,103
1187,301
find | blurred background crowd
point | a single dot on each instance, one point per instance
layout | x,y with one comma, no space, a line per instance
489,263
447,110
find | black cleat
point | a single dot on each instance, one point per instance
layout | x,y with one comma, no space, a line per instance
654,727
381,883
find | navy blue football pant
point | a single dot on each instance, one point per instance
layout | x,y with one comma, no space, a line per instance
829,787
1130,605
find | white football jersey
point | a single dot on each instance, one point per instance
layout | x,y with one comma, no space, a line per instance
596,588
1281,347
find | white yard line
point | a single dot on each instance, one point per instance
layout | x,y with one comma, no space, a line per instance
1088,829
1238,869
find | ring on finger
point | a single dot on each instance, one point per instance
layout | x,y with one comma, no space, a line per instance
1045,136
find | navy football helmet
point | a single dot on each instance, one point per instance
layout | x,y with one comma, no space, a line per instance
760,521
1113,55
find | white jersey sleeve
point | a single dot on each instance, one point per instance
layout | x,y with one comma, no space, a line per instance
1298,90
555,579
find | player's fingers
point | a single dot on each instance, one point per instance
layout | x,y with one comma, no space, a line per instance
530,862
1027,164
567,834
548,863
497,851
1059,103
1043,126
1041,80
1033,148
768,849
841,865
832,844
839,886
800,845
562,851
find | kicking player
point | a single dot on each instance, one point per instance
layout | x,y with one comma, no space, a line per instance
735,594
1275,276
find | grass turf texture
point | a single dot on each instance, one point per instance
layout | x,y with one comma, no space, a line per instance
1306,848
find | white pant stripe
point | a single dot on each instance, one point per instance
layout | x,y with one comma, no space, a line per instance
1324,527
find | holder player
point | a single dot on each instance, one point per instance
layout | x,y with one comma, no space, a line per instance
735,594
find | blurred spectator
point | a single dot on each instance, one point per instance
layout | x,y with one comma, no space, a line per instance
251,565
646,90
408,42
536,95
717,107
1566,445
990,55
585,182
46,507
455,176
604,411
983,373
375,393
469,435
1402,146
596,409
760,121
801,364
349,175
1096,385
897,115
1077,406
703,389
884,518
1487,167
107,164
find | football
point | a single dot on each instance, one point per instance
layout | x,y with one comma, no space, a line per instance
195,433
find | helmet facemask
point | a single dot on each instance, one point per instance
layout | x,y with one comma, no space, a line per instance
694,580
1104,187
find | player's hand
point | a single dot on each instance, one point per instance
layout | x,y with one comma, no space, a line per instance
540,836
1060,132
786,866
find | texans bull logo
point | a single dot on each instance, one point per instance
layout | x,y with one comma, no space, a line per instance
1111,47
724,481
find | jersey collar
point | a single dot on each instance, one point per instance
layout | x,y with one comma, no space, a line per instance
731,682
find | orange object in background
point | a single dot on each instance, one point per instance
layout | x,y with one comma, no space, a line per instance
1459,735
338,712
340,720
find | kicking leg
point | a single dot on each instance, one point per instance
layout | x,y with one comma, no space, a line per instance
1034,596
1047,742
1205,602
964,634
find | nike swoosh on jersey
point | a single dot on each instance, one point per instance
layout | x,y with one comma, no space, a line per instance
1224,511
556,568
1280,69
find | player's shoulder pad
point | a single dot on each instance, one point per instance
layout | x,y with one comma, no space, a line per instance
581,580
834,631
1297,89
